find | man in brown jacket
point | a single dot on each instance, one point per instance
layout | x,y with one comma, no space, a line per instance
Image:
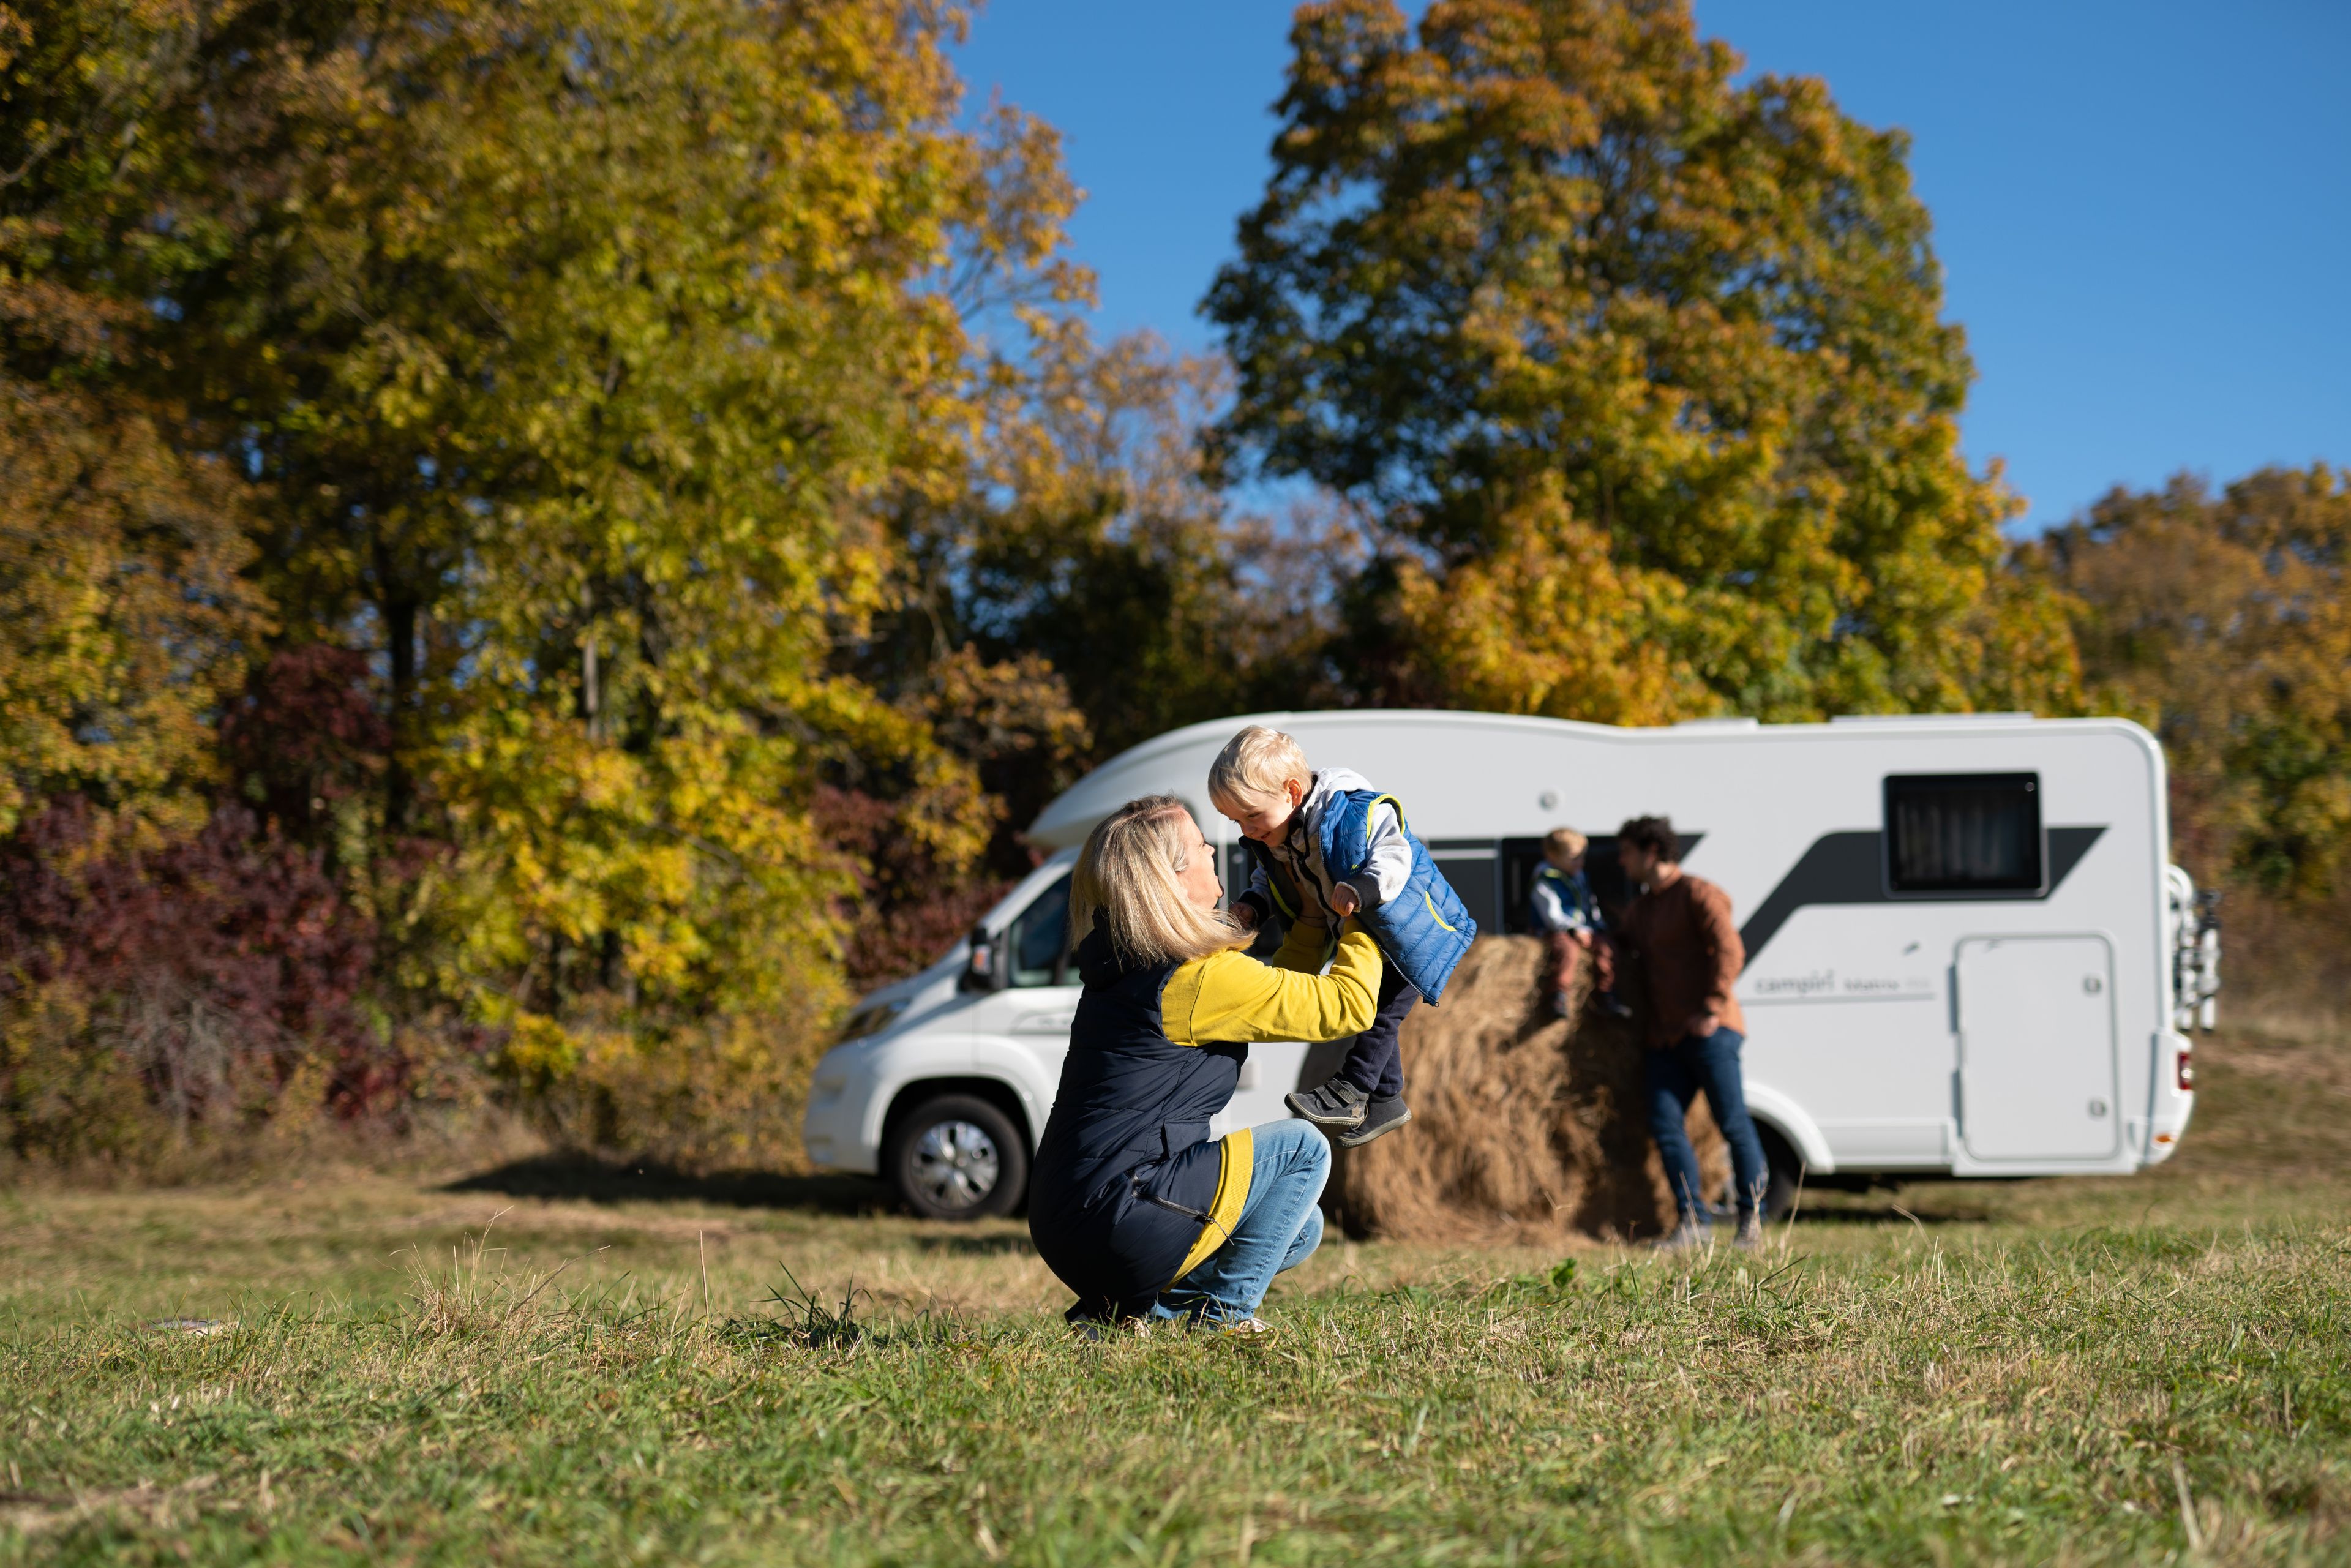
1690,957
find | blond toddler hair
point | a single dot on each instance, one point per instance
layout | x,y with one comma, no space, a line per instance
1562,844
1254,765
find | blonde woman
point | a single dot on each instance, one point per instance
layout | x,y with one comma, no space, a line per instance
1132,1204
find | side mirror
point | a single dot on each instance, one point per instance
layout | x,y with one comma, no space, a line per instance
985,971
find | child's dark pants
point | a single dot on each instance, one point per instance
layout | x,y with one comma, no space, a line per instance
1375,1062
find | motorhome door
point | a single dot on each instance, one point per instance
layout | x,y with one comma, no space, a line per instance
2037,1065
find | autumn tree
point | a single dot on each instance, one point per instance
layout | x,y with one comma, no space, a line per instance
597,333
171,961
1640,370
125,618
2224,620
1093,537
560,356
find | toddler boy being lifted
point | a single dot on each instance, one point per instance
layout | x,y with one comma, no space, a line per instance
1326,846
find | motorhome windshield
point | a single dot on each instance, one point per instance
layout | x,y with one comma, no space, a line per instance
1039,940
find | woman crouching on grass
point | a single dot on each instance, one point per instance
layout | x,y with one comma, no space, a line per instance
1132,1204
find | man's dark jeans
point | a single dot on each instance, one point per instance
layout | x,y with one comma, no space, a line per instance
1673,1075
1375,1062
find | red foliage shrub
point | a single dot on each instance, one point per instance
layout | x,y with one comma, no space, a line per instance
307,734
215,965
908,910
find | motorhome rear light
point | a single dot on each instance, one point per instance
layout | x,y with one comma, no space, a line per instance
2163,1137
2187,1073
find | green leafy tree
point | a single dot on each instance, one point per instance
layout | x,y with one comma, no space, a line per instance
1639,370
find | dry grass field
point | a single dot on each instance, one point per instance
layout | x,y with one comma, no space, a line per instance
546,1361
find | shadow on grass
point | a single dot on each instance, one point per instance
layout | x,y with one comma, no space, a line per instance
978,1246
593,1179
1887,1214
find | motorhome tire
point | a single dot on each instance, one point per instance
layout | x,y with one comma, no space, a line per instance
956,1156
1785,1172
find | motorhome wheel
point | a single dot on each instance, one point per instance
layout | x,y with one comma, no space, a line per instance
957,1157
1786,1172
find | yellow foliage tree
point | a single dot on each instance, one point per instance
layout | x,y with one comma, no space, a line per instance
123,620
568,354
124,617
2224,621
616,321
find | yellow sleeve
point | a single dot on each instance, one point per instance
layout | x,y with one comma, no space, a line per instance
1304,947
1233,997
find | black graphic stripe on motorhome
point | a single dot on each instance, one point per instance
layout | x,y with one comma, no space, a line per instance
1849,867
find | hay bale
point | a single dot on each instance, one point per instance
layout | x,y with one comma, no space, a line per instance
1524,1125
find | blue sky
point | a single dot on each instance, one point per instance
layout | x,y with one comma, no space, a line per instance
2143,210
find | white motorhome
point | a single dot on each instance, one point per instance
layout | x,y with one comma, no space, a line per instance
1967,952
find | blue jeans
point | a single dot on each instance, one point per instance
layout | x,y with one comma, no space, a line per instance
1674,1074
1279,1229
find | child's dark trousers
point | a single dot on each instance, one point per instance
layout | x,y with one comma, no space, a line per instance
1375,1062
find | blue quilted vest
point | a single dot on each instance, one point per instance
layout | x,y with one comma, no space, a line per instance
1574,894
1422,931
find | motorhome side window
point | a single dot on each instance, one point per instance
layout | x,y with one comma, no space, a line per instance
1039,936
1963,833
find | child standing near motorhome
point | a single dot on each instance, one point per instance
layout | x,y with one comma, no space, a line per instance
1570,919
1326,846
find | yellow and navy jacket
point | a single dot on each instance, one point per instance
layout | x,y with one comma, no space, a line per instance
1129,1194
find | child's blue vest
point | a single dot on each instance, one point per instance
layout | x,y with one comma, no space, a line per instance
1424,931
1575,895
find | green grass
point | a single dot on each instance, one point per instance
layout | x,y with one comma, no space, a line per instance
2141,1370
